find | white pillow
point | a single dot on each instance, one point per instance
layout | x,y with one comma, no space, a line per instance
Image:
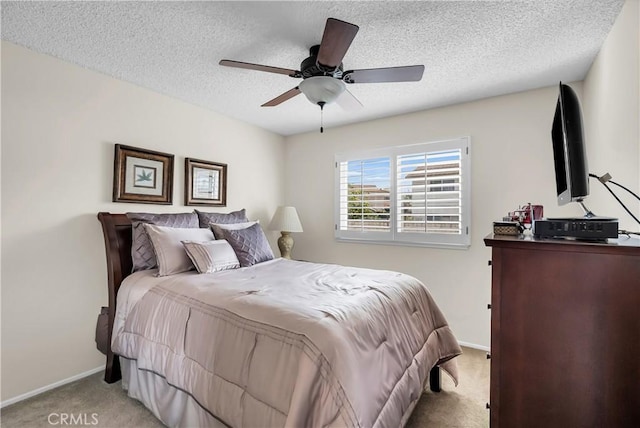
211,256
217,228
167,244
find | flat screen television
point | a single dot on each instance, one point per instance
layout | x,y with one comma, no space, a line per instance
569,153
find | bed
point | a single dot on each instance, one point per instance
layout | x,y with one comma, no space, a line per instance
279,343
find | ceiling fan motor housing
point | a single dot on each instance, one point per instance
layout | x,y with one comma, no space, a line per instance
310,67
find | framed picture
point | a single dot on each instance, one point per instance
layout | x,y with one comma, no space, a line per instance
205,183
142,176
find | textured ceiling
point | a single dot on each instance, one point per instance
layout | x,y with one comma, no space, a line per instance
470,49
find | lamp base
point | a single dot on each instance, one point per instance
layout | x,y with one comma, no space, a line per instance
285,244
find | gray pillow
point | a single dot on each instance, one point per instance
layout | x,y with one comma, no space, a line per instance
221,218
142,253
250,244
215,227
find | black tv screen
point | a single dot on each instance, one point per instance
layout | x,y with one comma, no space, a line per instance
569,153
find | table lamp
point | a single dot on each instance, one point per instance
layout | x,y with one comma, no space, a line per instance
285,220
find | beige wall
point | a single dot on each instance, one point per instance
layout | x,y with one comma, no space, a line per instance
59,125
511,164
611,108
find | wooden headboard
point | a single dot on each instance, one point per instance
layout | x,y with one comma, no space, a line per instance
117,240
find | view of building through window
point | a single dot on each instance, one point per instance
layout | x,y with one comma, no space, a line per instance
428,193
368,194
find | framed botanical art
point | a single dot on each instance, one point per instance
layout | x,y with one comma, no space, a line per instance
205,183
142,176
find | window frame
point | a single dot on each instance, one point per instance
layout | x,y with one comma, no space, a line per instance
393,237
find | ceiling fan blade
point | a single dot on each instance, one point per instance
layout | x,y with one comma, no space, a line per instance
282,98
267,68
348,101
410,73
336,40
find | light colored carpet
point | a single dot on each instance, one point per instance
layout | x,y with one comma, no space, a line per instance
93,401
463,406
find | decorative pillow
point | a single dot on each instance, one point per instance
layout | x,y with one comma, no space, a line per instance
167,244
216,228
233,217
250,244
142,253
211,256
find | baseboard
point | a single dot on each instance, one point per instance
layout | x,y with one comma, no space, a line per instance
474,346
35,392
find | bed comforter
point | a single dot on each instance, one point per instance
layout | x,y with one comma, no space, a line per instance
287,343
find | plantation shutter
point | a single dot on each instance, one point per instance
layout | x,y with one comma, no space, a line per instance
365,204
417,194
429,197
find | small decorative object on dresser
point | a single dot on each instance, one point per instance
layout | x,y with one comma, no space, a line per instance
512,228
205,183
142,176
286,220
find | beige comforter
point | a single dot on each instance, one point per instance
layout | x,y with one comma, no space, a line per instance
288,343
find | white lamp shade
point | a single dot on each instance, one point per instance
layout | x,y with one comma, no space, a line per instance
322,89
286,220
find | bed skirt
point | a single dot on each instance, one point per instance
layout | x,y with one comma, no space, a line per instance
174,407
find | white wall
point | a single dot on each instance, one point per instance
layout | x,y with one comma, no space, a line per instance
59,126
611,108
512,164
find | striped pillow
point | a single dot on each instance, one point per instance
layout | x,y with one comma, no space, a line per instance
211,256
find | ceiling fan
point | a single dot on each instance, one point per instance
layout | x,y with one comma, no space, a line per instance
323,74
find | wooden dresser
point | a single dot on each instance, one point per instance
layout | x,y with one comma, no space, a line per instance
565,333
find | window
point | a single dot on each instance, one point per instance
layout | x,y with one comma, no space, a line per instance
413,195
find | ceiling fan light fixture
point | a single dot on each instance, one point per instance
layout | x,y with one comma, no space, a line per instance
322,89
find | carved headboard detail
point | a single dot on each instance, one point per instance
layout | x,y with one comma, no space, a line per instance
117,239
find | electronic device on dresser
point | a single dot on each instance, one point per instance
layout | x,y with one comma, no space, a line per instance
572,176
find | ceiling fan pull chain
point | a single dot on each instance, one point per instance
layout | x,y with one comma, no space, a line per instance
321,104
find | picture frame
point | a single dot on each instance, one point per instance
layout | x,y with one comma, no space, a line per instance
205,183
142,176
